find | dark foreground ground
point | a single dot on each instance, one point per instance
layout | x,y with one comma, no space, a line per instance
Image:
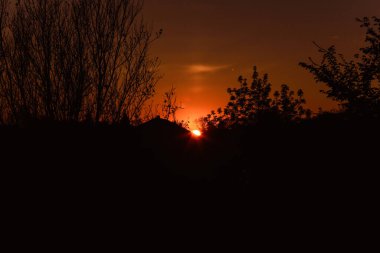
165,159
325,175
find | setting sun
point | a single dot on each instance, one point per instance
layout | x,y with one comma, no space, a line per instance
197,133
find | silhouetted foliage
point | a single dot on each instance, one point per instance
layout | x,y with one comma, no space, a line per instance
254,103
170,106
70,61
167,109
75,60
352,83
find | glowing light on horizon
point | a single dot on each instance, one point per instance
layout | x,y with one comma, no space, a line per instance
197,133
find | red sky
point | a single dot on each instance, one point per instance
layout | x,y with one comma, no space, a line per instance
207,44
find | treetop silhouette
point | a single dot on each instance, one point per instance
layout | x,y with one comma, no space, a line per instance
255,103
352,83
75,60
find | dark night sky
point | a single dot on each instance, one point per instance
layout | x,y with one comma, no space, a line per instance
207,44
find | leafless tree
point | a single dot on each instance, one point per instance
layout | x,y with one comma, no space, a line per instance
170,106
3,18
76,59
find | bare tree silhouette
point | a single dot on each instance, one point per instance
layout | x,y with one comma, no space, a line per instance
3,17
352,83
75,60
170,106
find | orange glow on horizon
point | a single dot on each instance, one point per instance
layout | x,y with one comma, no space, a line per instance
196,133
204,52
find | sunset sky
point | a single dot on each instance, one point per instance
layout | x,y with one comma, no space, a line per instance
207,44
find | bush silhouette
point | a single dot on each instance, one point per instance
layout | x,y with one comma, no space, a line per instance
254,104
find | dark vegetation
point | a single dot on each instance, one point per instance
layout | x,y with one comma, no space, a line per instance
74,61
75,76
